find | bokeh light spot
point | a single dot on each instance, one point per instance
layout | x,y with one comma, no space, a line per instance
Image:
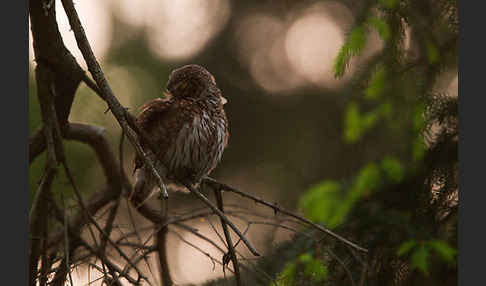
96,21
312,43
179,29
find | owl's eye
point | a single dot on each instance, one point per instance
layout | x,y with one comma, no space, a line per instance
213,80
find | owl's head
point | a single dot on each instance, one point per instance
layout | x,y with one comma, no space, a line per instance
193,81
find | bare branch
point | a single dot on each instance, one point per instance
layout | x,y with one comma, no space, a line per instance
218,185
194,232
231,250
66,242
116,108
92,220
95,137
38,212
213,260
348,272
137,234
223,217
37,144
109,225
163,256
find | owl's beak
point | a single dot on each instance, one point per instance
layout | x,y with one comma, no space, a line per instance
224,100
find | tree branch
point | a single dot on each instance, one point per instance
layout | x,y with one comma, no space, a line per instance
116,108
222,216
163,260
218,185
231,250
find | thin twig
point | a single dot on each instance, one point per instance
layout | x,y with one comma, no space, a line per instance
231,250
213,260
277,225
276,208
348,272
108,263
217,232
364,265
109,225
66,240
93,221
139,238
61,156
74,234
223,217
201,236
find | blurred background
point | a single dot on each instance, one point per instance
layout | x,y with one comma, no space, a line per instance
274,62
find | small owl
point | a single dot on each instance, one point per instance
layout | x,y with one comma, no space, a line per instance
188,125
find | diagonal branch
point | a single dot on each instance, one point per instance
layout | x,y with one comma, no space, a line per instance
116,108
218,185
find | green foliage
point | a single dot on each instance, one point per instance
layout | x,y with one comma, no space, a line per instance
367,180
313,268
399,93
305,267
356,41
381,27
386,109
389,4
419,122
329,203
287,276
352,123
418,149
352,47
432,53
406,246
445,252
420,253
356,124
419,259
320,202
377,84
339,214
369,119
393,169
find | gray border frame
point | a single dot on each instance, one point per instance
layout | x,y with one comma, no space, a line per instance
14,115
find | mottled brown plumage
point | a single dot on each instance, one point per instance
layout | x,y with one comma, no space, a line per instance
188,125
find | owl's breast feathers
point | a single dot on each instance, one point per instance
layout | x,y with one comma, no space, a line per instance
186,133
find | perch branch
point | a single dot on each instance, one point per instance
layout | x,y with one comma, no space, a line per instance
116,108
